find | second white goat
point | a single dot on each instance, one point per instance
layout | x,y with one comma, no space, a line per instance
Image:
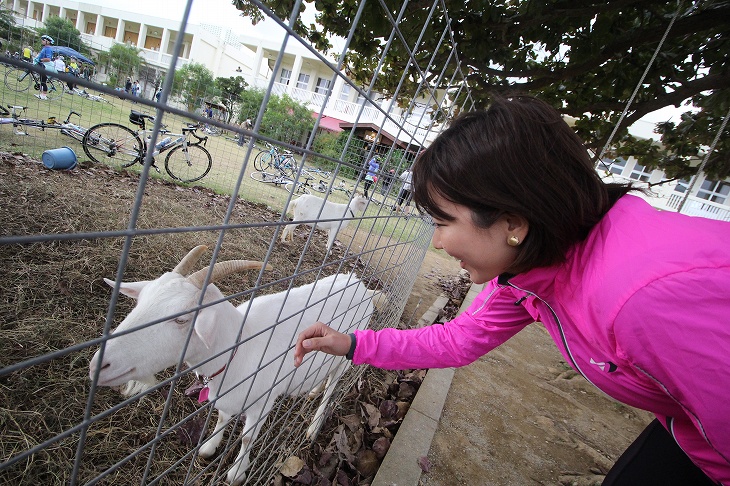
243,379
307,208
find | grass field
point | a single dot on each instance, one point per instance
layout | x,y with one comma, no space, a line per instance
228,157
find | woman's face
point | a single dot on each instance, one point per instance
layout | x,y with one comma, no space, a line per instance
483,252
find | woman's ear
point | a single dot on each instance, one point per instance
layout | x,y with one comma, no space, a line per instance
517,225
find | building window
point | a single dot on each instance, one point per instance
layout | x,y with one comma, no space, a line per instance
303,81
323,86
681,186
345,93
715,191
617,166
640,173
285,76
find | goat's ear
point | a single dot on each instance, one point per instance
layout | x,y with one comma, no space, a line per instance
130,289
205,326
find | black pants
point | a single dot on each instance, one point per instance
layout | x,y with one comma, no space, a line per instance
655,459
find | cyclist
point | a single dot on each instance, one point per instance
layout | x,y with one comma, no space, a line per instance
44,56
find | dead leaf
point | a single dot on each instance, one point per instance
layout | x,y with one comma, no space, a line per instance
424,463
291,467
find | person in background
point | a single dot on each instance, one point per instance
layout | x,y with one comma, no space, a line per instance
373,166
636,299
404,196
128,85
60,64
44,56
27,53
72,68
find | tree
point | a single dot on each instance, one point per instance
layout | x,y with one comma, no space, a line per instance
584,58
193,84
124,61
230,92
284,119
64,33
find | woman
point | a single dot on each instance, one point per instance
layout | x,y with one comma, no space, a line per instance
373,166
637,300
44,56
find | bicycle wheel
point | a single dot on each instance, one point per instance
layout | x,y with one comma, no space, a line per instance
55,89
188,163
300,188
320,187
113,144
18,80
266,177
263,161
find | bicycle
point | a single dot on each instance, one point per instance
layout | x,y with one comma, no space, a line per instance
272,158
121,146
19,124
21,79
325,174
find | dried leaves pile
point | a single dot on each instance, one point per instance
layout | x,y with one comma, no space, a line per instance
370,415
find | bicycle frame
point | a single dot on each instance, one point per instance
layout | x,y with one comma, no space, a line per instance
138,119
20,124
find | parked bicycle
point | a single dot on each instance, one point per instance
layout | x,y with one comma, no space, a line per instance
269,159
115,144
325,174
14,115
21,80
304,184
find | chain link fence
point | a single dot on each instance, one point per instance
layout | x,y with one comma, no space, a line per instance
129,209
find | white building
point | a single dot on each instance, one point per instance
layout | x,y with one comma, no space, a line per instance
301,74
708,198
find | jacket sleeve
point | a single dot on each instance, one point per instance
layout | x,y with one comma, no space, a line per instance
491,320
675,332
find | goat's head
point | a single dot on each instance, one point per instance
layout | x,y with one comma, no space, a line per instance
152,336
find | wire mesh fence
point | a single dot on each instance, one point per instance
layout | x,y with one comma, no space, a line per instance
191,341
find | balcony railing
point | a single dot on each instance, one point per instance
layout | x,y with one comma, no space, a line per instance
699,207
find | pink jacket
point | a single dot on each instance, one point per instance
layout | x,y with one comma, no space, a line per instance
641,309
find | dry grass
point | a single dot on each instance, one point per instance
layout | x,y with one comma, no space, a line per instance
53,298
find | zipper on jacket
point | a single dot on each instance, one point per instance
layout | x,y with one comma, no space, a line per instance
560,330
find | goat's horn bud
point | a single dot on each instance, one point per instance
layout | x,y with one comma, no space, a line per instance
186,264
221,269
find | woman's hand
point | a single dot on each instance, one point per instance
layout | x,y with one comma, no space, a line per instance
320,337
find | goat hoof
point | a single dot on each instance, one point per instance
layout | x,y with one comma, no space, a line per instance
206,451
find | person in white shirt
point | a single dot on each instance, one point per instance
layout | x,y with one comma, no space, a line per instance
60,64
404,196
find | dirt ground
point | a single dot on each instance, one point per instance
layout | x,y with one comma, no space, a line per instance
521,416
518,416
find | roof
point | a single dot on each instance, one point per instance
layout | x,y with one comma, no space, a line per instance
329,123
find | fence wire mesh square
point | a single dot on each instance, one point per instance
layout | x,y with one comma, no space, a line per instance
101,381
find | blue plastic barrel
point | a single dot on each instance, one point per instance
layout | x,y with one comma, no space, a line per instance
60,158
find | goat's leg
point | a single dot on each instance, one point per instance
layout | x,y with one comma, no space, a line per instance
254,419
329,388
207,449
331,238
288,233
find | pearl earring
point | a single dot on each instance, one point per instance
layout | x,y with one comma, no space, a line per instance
513,241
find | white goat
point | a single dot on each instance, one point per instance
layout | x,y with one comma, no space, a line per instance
235,381
307,207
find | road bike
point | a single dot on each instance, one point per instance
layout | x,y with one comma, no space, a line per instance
269,159
14,115
325,174
117,145
21,80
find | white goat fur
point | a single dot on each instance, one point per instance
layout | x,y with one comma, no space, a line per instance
140,354
307,207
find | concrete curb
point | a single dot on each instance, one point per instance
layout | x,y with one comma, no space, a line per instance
400,465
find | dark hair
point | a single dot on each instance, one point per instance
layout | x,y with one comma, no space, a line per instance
518,157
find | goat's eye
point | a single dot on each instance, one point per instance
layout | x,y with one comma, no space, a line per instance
181,320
